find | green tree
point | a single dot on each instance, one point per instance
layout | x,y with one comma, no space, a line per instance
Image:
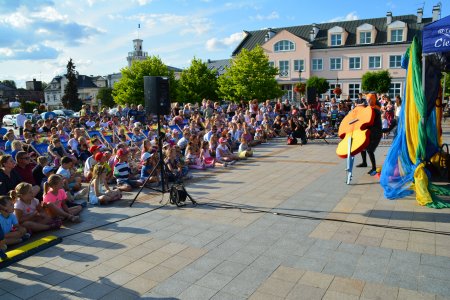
10,83
70,99
130,88
197,82
44,85
105,96
320,84
378,81
250,76
28,106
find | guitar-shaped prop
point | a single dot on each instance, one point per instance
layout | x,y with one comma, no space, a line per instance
355,135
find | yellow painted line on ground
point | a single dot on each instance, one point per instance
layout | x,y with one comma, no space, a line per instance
30,246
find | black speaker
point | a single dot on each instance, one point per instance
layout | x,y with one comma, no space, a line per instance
311,94
156,94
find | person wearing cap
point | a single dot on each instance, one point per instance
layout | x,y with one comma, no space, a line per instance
47,171
223,153
35,116
376,134
90,162
122,173
149,161
138,136
37,172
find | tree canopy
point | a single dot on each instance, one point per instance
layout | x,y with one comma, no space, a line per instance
378,81
250,76
320,84
197,82
70,99
105,96
130,88
10,83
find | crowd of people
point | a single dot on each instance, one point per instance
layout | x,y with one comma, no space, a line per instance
55,162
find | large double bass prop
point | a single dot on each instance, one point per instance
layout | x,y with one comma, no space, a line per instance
355,134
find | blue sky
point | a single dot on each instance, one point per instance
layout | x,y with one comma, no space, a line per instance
37,37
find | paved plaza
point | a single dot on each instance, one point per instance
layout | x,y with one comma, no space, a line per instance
300,233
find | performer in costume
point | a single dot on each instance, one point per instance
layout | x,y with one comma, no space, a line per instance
375,135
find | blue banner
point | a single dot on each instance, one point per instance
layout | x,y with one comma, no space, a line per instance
436,36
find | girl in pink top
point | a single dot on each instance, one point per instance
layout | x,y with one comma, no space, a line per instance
55,200
29,211
207,159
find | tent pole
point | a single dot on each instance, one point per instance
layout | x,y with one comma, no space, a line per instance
423,73
443,87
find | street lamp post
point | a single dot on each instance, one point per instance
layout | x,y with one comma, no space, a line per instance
337,85
300,81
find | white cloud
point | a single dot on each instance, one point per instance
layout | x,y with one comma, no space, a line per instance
215,44
351,16
49,14
7,52
272,16
143,2
17,20
182,24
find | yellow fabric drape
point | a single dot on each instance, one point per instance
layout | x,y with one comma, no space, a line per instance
423,196
412,117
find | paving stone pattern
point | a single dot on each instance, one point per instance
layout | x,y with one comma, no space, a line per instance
276,246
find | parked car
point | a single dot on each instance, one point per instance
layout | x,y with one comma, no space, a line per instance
64,113
9,120
68,112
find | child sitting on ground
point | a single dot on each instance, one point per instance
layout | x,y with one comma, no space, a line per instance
223,153
192,157
13,232
96,192
122,173
42,161
149,162
29,211
244,150
55,200
73,182
207,159
57,151
176,171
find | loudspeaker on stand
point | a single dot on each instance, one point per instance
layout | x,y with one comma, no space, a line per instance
156,94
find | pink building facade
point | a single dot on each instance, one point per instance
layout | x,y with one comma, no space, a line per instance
341,52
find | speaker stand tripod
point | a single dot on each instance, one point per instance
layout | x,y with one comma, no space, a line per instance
164,189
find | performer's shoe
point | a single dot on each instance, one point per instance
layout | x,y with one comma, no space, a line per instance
361,165
372,172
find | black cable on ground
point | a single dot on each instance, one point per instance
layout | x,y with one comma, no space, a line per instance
247,209
120,220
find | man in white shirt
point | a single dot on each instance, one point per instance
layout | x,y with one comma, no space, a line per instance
20,121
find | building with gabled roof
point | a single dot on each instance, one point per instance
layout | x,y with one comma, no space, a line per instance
218,65
88,87
341,51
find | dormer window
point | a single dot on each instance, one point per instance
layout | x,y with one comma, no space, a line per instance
397,32
396,35
284,45
336,39
337,36
365,37
366,34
